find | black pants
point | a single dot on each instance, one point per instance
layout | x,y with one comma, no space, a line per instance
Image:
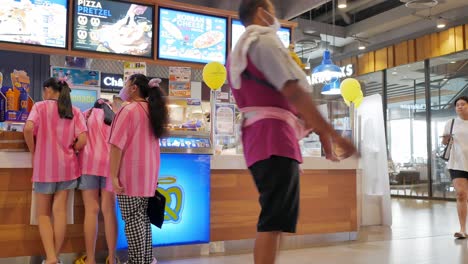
277,180
137,229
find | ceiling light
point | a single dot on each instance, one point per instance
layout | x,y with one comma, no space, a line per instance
453,62
441,23
307,66
362,46
445,79
394,73
342,4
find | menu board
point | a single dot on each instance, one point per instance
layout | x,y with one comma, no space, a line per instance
35,22
238,29
191,37
113,27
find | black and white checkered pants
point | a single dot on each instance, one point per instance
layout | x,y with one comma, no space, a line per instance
137,229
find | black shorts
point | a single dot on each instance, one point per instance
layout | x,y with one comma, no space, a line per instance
458,174
277,180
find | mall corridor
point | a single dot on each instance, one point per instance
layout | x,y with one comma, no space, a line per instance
422,233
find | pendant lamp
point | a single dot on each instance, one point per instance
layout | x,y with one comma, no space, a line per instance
328,74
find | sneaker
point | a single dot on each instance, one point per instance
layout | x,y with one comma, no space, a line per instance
80,260
117,260
59,262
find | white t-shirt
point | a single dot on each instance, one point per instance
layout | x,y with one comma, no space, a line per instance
459,154
270,56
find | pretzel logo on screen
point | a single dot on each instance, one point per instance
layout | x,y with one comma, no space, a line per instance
174,198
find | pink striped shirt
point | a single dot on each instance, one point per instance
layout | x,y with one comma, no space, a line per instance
94,158
132,133
54,157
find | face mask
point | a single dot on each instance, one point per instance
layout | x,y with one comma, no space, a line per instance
276,24
123,94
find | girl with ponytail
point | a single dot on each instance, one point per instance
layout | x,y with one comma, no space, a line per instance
54,132
94,183
135,159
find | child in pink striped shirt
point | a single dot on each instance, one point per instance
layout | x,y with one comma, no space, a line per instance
54,132
94,160
135,159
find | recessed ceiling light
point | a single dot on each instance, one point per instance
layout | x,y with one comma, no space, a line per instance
453,62
342,4
441,23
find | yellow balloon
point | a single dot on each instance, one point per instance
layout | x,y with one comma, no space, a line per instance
346,102
214,75
350,89
358,101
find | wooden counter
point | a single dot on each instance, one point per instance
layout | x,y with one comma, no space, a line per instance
17,236
328,203
328,198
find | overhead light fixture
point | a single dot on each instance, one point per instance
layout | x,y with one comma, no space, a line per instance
342,4
453,62
332,88
362,46
329,74
307,66
445,79
441,23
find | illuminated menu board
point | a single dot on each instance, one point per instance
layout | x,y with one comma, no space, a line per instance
35,22
113,27
238,29
191,37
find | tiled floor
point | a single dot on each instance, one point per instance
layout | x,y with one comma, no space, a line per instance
421,234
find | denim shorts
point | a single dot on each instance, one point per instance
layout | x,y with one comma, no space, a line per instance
91,182
53,187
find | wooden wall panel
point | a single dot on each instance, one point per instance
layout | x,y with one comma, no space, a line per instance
328,203
423,48
411,51
363,62
429,46
381,59
17,236
401,53
390,57
371,63
466,35
447,41
434,45
459,38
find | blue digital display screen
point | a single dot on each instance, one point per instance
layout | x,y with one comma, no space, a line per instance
175,142
35,22
111,26
238,29
187,191
83,99
191,37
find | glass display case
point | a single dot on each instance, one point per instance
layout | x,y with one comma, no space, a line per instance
335,111
188,128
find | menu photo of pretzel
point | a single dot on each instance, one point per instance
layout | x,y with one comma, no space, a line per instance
113,27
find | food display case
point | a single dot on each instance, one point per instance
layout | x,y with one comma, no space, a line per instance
189,131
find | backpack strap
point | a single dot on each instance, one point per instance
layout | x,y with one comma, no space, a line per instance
249,76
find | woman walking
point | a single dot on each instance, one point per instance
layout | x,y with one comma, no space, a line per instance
457,130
